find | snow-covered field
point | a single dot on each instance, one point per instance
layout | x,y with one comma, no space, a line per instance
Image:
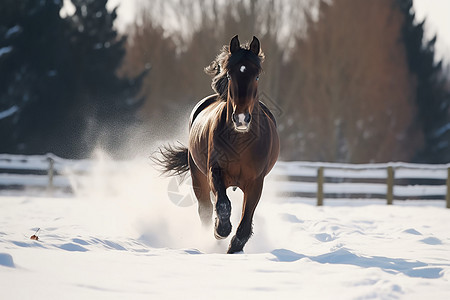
122,237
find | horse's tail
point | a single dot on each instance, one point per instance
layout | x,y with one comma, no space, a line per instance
173,160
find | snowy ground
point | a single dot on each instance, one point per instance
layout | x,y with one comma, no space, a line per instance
123,238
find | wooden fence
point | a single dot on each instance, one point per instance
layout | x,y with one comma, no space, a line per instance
391,181
381,181
40,172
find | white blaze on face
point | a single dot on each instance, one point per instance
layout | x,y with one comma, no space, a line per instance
242,69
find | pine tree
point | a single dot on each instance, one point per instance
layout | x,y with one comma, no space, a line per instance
8,107
58,88
433,99
109,102
31,73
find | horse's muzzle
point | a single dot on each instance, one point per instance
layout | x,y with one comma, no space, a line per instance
241,121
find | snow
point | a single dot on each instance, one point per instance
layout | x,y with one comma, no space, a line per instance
52,73
5,50
297,168
33,180
121,237
363,188
442,130
11,31
360,173
10,111
98,46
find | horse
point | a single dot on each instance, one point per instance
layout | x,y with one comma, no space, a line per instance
233,142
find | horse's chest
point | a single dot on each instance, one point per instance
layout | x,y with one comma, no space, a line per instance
241,155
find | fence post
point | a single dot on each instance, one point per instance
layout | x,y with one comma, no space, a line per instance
51,173
320,181
390,185
448,188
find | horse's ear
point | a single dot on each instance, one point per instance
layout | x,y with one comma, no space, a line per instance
234,44
254,45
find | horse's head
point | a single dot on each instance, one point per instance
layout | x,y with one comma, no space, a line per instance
243,69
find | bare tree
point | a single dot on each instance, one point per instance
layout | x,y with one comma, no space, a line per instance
349,88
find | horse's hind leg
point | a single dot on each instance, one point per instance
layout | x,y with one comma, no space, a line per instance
223,205
252,194
202,192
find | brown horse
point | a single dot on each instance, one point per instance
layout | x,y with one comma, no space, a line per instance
233,142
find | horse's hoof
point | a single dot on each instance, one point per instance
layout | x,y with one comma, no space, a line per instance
235,252
218,237
222,229
236,245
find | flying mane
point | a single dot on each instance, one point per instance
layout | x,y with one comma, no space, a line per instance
224,62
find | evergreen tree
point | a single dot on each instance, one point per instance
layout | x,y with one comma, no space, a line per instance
30,72
8,107
58,88
107,101
433,99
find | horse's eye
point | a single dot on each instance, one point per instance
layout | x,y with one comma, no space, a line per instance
228,76
257,78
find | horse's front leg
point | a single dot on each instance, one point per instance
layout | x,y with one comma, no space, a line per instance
252,194
223,205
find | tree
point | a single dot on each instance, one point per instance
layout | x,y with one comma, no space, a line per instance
58,78
108,103
33,74
350,96
150,50
433,97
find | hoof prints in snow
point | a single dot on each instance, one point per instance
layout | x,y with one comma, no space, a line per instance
345,257
6,260
324,237
72,247
432,241
359,252
412,231
291,218
78,244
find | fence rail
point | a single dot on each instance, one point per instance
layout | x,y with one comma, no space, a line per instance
390,181
39,172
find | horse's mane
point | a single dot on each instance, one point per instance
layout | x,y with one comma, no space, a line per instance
224,62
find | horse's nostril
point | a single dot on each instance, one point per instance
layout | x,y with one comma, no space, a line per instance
241,118
248,118
235,118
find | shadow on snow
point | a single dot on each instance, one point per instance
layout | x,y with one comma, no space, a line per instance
344,257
